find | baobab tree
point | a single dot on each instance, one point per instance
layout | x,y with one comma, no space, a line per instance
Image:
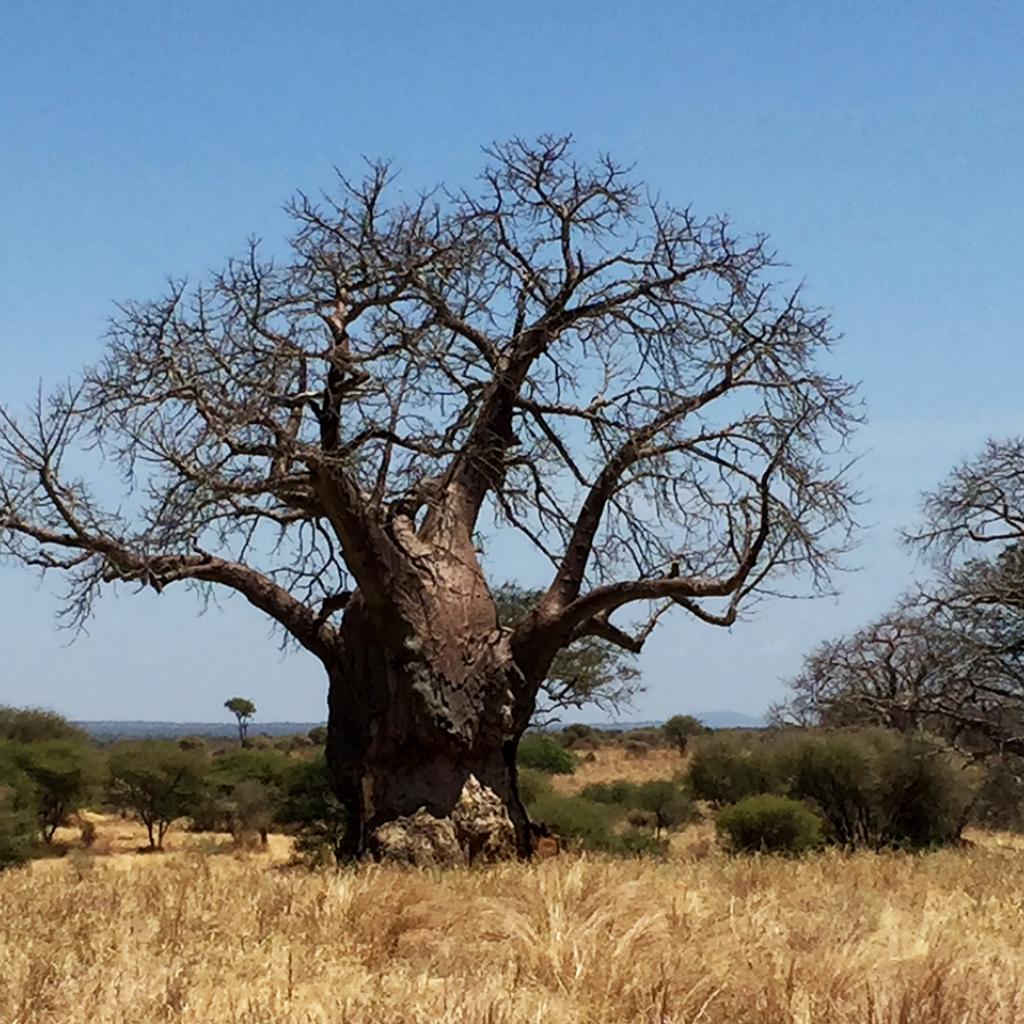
552,351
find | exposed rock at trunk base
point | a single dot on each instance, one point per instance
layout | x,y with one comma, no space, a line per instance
418,839
479,830
482,824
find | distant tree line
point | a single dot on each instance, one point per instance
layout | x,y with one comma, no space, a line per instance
51,772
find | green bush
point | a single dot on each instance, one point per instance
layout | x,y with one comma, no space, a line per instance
580,737
271,767
878,789
835,774
661,803
545,754
999,803
619,792
633,843
724,772
19,827
310,810
577,821
532,785
588,825
924,797
767,823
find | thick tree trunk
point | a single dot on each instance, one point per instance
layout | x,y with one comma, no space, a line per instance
422,735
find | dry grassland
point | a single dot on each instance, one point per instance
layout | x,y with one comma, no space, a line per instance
613,762
201,935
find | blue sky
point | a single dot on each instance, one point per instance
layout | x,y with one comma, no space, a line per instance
880,145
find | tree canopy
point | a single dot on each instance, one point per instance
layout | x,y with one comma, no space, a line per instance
620,380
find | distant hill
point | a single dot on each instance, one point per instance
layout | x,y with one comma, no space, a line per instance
111,730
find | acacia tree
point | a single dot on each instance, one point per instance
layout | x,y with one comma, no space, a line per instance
243,709
552,351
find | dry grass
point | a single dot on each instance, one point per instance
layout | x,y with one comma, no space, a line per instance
190,937
613,762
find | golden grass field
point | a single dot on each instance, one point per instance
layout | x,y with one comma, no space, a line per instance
204,935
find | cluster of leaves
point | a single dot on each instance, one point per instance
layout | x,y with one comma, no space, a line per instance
870,789
545,754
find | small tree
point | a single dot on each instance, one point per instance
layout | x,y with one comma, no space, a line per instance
63,775
666,803
311,810
252,807
158,782
545,754
679,728
243,710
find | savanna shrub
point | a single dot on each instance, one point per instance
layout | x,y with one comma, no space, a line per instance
252,806
879,789
157,782
679,729
999,802
545,754
767,823
620,792
657,804
634,843
576,821
723,771
835,774
310,810
532,785
924,796
271,767
18,821
580,737
64,775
